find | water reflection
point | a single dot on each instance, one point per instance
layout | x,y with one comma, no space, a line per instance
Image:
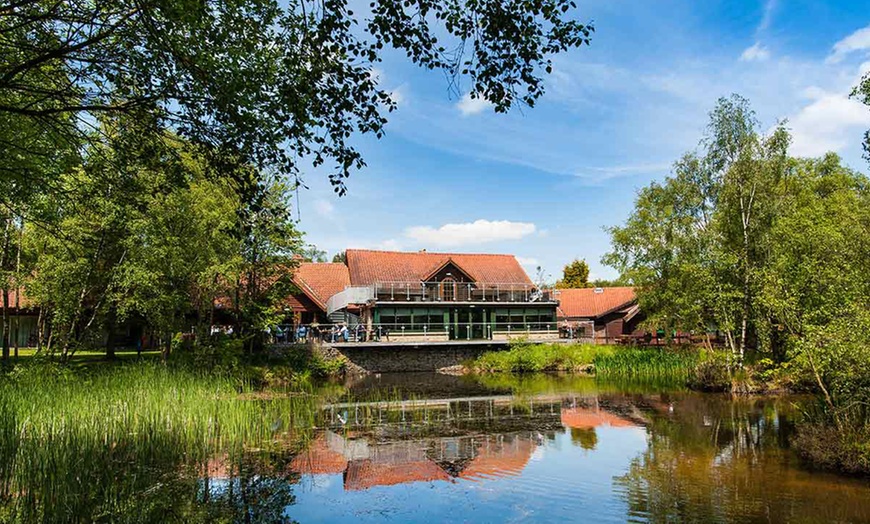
556,452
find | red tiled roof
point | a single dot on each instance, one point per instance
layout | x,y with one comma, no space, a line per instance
586,303
26,302
580,418
320,280
368,267
364,474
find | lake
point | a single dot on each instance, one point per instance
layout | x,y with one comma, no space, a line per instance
542,448
149,444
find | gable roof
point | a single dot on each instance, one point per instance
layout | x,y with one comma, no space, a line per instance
586,303
320,280
368,266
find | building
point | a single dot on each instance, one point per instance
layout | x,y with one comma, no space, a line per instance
602,313
317,283
423,296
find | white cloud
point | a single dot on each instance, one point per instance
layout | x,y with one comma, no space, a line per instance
529,262
324,208
472,106
399,95
477,232
831,122
756,53
857,41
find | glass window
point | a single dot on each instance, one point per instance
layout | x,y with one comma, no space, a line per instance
387,316
517,320
448,289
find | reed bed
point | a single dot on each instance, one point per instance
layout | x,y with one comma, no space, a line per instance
648,364
117,445
523,357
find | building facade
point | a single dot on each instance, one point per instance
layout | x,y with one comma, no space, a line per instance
422,296
604,314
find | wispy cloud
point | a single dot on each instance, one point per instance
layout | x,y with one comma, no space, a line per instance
756,53
607,173
767,18
472,106
857,41
477,232
324,208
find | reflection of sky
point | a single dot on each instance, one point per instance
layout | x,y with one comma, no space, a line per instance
563,481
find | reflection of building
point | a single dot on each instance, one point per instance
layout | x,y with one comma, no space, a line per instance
601,313
365,465
588,418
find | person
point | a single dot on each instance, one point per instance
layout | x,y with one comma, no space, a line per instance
344,332
300,333
360,333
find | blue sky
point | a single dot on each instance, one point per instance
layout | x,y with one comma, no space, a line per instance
542,183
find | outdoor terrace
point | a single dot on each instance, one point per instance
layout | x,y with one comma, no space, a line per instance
440,292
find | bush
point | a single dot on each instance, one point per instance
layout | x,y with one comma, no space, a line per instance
836,442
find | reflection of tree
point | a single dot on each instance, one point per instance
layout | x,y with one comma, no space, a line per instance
586,438
716,460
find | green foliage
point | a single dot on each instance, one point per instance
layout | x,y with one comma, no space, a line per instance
647,363
131,442
862,93
525,357
574,275
264,83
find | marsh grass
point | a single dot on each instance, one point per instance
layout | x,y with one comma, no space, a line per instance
524,357
108,444
666,365
669,364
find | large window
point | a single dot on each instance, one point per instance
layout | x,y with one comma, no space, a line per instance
448,289
502,319
387,317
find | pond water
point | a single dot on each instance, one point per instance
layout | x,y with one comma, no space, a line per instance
506,449
407,448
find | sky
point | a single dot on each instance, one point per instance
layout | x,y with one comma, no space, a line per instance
544,183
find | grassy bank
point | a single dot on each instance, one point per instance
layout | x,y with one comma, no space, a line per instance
610,362
128,441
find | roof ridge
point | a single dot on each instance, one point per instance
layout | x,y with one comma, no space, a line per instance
438,253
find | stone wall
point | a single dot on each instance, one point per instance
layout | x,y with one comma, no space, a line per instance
394,358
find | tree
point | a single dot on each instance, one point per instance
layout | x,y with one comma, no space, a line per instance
815,283
862,93
696,243
574,275
340,258
262,83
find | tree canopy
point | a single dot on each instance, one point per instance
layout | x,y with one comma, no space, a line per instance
767,249
574,275
254,82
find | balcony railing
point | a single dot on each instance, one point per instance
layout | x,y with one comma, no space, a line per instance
459,292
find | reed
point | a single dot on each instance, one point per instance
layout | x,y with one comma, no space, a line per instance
648,364
118,444
524,357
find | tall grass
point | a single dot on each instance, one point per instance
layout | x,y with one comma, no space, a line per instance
524,357
108,445
607,362
648,363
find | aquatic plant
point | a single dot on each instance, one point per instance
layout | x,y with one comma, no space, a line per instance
108,444
647,363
